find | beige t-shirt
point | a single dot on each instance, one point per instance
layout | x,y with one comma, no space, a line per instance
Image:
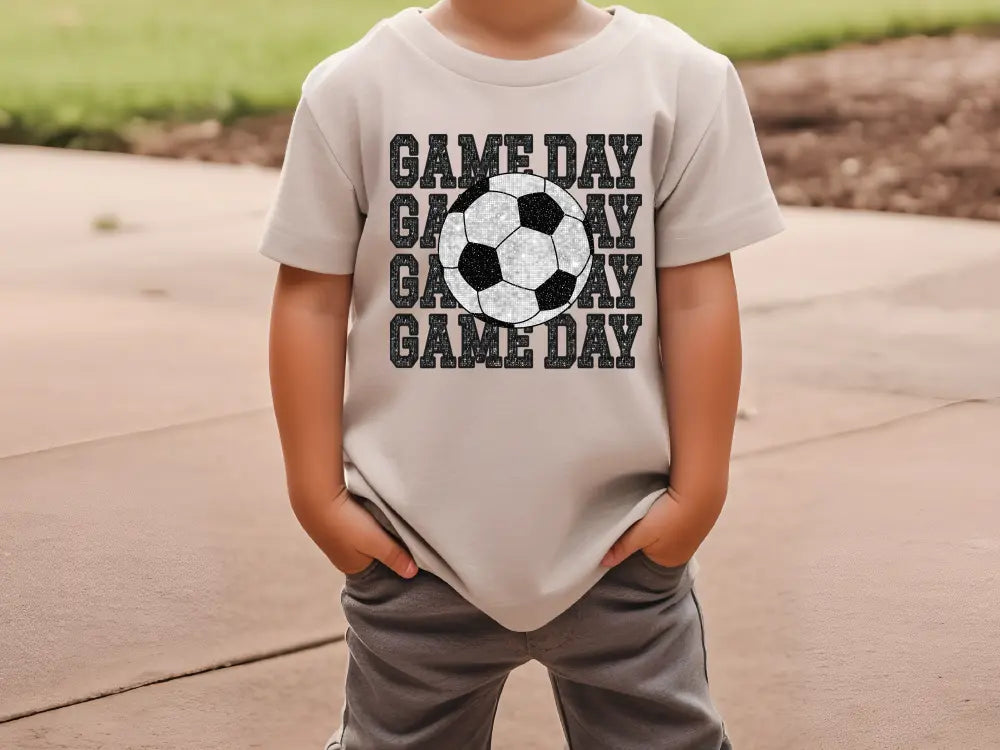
503,220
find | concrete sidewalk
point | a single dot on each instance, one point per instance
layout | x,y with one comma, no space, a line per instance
156,592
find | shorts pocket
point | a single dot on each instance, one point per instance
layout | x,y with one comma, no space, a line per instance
365,571
639,578
667,569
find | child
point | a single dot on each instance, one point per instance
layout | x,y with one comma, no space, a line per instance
513,222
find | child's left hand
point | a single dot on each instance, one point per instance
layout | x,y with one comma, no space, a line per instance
668,534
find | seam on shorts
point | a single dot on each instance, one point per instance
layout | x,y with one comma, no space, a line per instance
726,740
493,718
559,702
701,627
337,743
561,710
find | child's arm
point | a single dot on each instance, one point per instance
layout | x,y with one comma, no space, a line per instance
701,356
713,198
308,343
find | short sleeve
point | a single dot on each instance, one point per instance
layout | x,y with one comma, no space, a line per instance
715,196
314,220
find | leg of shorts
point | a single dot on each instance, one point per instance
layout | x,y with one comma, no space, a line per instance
425,668
630,671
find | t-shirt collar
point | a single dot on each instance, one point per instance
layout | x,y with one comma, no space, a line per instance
411,24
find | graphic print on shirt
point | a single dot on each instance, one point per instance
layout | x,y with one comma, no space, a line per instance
514,252
516,249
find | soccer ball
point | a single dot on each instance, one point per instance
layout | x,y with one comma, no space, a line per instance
516,249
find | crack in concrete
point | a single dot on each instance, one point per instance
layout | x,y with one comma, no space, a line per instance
147,431
750,453
761,309
239,662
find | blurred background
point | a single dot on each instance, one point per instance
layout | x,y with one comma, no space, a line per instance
155,589
908,126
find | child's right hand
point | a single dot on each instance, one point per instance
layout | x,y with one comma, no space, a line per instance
351,537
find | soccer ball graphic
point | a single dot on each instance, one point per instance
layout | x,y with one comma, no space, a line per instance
516,249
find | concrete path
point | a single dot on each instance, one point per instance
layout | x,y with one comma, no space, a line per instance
156,592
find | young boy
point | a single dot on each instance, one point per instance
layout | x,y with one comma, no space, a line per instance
513,222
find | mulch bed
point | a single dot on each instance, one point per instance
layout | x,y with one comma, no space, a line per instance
909,125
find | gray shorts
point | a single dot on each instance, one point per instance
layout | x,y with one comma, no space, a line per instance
627,663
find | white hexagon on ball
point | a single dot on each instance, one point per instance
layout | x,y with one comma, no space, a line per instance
452,240
527,258
572,248
581,280
508,303
491,219
461,290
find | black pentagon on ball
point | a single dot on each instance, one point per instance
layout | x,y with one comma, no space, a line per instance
463,201
479,266
540,212
555,291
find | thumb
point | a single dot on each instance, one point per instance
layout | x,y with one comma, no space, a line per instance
634,538
394,555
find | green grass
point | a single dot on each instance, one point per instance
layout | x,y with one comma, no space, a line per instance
74,71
